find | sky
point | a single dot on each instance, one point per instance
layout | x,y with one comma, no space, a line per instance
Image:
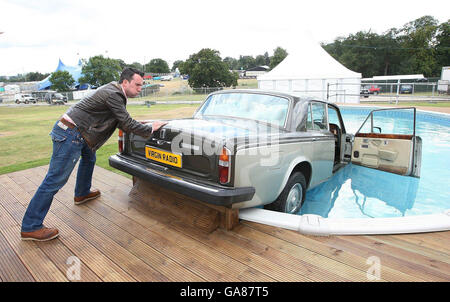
37,33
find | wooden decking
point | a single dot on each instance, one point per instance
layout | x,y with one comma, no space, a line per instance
116,241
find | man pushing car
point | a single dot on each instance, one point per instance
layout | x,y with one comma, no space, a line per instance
83,129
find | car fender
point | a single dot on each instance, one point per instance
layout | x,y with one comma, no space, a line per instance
290,169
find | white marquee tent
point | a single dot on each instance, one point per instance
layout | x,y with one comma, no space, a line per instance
308,69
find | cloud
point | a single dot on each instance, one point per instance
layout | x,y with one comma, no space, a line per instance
138,31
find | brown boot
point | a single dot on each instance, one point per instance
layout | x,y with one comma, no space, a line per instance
43,234
82,199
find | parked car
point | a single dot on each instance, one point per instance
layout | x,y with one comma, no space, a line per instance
364,92
247,148
55,98
373,89
406,88
167,78
24,98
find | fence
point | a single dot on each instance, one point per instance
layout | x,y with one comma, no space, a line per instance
391,92
336,93
179,93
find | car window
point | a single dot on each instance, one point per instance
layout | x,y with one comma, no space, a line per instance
316,117
333,117
260,107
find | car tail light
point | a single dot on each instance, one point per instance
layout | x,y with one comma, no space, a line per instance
225,166
120,141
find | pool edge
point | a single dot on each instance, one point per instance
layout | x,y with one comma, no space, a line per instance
311,224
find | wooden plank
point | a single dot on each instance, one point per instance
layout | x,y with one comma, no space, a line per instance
60,255
239,253
394,263
437,242
111,175
313,265
123,258
430,254
118,181
11,267
365,265
406,258
94,259
250,252
97,262
158,261
190,258
37,263
327,247
11,212
134,266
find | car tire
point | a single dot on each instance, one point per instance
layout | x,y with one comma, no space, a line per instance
292,197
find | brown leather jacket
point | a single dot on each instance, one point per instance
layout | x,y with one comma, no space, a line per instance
98,115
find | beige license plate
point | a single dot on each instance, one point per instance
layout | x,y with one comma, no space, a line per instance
163,156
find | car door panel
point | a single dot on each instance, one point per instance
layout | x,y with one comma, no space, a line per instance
390,152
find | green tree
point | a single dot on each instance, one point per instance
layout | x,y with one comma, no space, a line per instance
136,65
35,76
157,66
61,80
206,69
417,47
100,71
260,60
176,65
246,62
232,63
443,45
418,39
279,54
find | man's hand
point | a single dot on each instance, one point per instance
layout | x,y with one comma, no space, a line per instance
157,124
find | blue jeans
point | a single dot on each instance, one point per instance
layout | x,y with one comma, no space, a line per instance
68,146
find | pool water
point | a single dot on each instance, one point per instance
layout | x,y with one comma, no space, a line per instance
360,192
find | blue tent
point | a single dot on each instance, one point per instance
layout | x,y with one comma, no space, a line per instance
75,71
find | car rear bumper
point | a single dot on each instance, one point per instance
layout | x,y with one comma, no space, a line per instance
207,193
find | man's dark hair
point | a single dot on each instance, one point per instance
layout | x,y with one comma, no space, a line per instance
128,73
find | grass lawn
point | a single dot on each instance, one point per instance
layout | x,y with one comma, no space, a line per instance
25,141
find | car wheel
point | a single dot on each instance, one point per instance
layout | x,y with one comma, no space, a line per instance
17,102
292,197
26,102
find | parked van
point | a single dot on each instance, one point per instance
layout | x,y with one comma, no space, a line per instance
24,98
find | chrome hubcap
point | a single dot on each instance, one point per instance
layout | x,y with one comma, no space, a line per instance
294,199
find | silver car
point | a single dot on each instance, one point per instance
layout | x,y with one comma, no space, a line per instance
247,148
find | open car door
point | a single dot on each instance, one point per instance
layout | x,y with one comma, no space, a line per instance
387,141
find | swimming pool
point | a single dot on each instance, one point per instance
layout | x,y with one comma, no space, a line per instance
360,192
